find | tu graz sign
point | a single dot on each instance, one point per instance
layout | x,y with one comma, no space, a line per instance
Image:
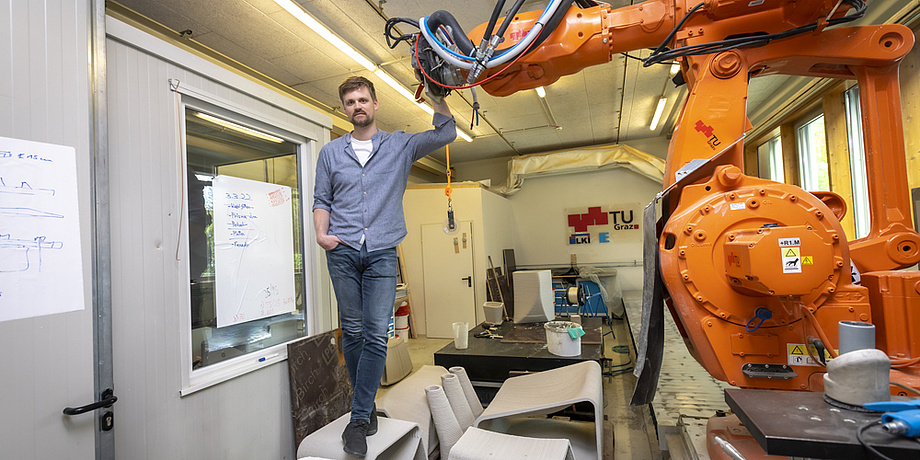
602,224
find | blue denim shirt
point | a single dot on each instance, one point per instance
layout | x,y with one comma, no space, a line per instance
367,201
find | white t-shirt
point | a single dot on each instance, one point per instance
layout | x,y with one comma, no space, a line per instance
362,149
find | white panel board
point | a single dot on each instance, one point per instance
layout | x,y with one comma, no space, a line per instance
41,266
254,249
47,361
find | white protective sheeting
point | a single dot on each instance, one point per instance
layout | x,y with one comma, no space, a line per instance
580,160
606,279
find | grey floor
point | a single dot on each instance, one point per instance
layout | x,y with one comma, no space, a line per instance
629,431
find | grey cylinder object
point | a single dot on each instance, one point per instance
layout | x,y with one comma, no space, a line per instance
855,335
445,422
468,391
458,402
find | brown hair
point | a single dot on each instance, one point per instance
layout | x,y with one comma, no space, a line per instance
356,82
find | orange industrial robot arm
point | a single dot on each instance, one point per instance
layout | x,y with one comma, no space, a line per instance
735,245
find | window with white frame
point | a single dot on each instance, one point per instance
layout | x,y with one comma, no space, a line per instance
814,170
222,145
857,162
770,159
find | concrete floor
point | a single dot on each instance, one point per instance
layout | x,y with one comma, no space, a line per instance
629,431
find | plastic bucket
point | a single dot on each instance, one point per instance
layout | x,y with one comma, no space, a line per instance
402,321
493,312
558,340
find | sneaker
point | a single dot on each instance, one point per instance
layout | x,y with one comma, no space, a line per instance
372,425
354,437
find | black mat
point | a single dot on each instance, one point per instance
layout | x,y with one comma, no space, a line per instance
535,333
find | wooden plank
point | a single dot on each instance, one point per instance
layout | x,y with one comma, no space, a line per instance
751,163
838,153
790,154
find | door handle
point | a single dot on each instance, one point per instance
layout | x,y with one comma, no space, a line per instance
108,398
469,280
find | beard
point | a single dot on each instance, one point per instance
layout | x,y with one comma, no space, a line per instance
364,122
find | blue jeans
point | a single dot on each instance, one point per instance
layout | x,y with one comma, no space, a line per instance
365,289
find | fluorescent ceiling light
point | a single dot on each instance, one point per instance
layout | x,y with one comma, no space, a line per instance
322,31
657,116
239,128
675,67
314,25
541,92
464,135
394,84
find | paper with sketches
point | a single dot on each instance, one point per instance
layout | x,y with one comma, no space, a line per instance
41,263
254,250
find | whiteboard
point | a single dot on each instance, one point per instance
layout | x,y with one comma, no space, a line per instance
253,250
41,263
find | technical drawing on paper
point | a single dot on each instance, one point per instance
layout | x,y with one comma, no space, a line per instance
19,255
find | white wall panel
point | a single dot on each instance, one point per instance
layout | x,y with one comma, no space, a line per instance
46,363
490,215
245,417
540,227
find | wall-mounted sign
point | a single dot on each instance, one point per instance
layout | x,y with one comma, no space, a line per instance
41,256
603,224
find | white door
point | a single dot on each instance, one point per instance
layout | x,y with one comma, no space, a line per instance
46,347
448,263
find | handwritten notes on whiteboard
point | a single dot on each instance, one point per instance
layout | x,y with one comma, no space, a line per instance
254,250
41,264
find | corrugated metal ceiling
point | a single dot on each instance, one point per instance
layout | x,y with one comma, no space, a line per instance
608,103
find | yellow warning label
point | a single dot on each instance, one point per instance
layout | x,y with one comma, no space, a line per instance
791,252
806,260
798,349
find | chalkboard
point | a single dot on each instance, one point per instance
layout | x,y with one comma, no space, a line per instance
41,263
253,250
320,389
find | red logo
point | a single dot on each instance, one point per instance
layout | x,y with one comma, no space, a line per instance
594,217
703,128
707,131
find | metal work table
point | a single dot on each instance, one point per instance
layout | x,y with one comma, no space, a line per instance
802,424
489,362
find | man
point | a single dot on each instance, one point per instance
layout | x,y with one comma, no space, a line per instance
358,215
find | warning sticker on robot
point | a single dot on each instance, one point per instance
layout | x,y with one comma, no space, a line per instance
797,355
791,261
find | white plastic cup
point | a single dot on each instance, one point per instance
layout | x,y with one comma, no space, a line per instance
461,335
